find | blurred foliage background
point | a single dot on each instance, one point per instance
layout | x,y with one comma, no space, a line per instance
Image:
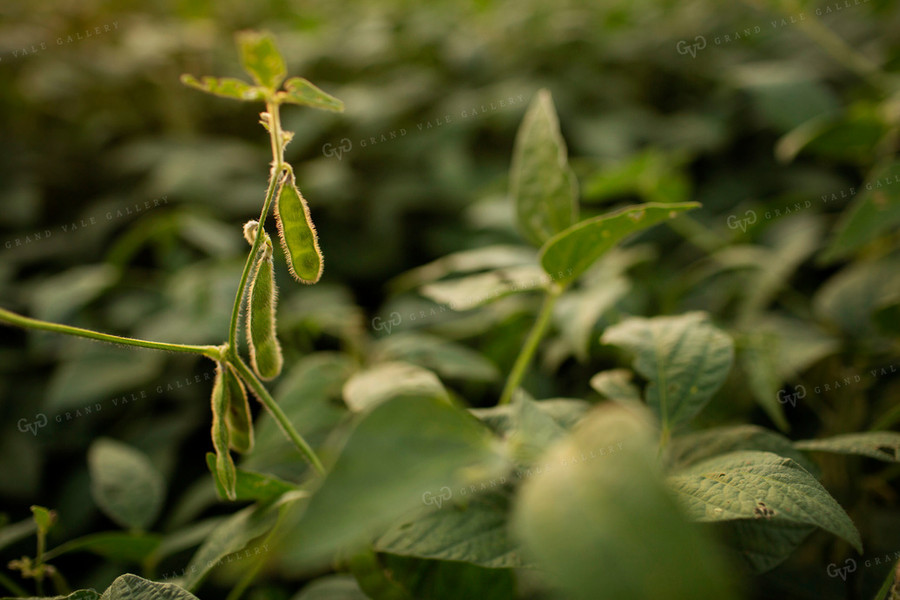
123,193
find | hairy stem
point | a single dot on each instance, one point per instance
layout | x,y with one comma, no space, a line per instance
531,344
12,318
283,422
275,175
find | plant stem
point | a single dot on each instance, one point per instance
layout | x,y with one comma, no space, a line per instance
12,318
531,343
12,586
274,177
283,422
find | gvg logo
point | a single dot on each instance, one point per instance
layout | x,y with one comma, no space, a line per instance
683,47
445,494
379,324
835,571
749,218
330,150
40,420
799,393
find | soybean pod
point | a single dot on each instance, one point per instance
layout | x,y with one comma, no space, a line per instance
297,232
265,351
221,397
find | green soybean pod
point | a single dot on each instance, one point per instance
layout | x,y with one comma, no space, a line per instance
265,351
225,471
297,232
238,418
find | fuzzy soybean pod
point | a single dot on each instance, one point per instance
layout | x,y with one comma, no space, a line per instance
221,399
297,232
238,418
265,351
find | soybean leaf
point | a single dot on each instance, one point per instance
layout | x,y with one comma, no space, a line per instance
764,544
448,580
874,211
760,485
577,312
472,530
464,293
446,358
758,355
332,587
880,445
300,91
230,536
621,502
387,380
398,451
850,297
261,59
465,261
685,358
226,87
132,587
543,187
616,385
89,594
125,484
569,253
250,485
113,545
686,450
504,419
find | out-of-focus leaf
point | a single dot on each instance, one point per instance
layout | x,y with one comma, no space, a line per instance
446,358
543,187
880,445
250,485
331,587
261,59
874,211
132,587
399,451
577,311
226,87
300,91
622,502
114,545
571,252
464,293
383,381
850,297
125,484
691,448
470,529
757,355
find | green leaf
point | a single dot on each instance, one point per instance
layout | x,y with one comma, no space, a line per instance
446,358
873,212
132,587
505,419
542,185
471,291
569,253
250,485
757,356
880,445
113,545
614,512
44,518
760,485
850,297
689,449
577,312
486,258
125,484
300,91
226,87
331,587
764,544
231,536
297,233
685,358
383,381
261,59
616,385
399,451
448,580
472,529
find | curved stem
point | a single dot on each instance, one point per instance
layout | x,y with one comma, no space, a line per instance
12,318
531,344
283,422
275,176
